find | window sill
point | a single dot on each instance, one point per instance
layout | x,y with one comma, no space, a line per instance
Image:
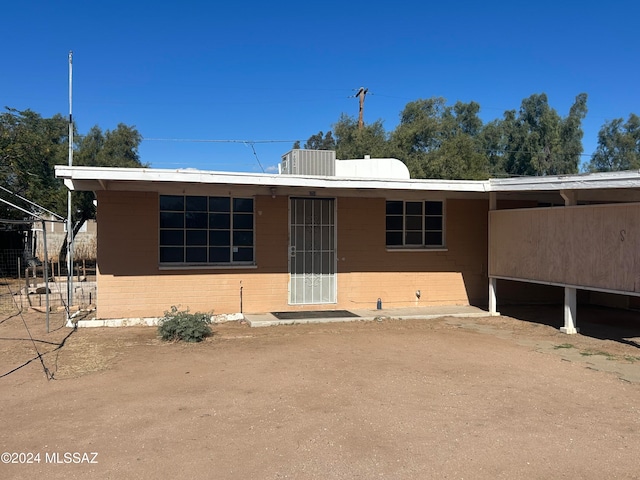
417,249
186,266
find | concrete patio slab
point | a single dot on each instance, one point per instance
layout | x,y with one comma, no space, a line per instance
268,320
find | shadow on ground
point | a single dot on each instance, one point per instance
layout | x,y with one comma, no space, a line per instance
603,323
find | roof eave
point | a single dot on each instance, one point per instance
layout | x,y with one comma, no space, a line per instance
587,181
99,178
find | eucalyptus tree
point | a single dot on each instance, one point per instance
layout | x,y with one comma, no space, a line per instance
538,141
440,141
618,146
353,142
493,140
319,141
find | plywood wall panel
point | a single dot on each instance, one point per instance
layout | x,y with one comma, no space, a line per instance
593,246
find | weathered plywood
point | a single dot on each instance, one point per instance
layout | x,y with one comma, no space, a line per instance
594,246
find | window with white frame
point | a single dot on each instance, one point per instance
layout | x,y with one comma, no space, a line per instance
415,224
202,230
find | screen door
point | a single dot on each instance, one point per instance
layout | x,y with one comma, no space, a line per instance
312,254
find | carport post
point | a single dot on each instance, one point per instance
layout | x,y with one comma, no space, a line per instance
570,307
493,299
570,303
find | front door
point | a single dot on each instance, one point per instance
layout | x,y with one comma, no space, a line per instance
312,254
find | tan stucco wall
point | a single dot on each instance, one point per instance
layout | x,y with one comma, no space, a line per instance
369,271
595,247
130,283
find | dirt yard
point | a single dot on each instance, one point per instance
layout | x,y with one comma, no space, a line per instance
451,398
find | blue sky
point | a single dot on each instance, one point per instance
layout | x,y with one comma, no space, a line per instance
275,72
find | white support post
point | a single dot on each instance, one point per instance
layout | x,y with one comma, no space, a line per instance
570,294
493,298
570,307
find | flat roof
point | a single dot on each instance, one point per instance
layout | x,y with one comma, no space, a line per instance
102,178
83,178
624,179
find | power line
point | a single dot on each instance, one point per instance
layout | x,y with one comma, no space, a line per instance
253,142
256,155
205,140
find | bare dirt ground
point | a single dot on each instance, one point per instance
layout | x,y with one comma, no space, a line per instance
401,399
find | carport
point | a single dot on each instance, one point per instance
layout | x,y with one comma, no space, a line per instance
578,232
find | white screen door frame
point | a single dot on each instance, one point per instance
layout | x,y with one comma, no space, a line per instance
312,251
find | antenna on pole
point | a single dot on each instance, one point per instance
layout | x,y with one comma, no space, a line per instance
362,92
69,222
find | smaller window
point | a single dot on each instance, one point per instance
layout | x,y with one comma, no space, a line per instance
415,224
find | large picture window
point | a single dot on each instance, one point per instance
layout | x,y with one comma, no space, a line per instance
206,230
415,224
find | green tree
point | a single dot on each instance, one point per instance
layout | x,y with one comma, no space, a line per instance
571,135
538,141
440,141
493,142
30,147
436,140
321,141
458,158
618,146
352,142
113,148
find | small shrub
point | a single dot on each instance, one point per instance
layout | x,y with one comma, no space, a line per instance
181,325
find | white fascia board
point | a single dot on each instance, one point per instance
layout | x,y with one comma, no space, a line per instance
588,181
102,175
98,178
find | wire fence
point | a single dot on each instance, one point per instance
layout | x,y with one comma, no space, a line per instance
10,261
23,287
10,281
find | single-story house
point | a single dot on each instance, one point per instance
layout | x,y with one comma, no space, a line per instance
342,234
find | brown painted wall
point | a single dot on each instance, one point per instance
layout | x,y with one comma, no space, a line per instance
130,283
587,246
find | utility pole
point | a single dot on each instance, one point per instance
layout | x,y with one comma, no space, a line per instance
69,222
362,92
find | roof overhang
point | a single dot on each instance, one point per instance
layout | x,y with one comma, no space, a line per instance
602,187
610,186
586,181
144,179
